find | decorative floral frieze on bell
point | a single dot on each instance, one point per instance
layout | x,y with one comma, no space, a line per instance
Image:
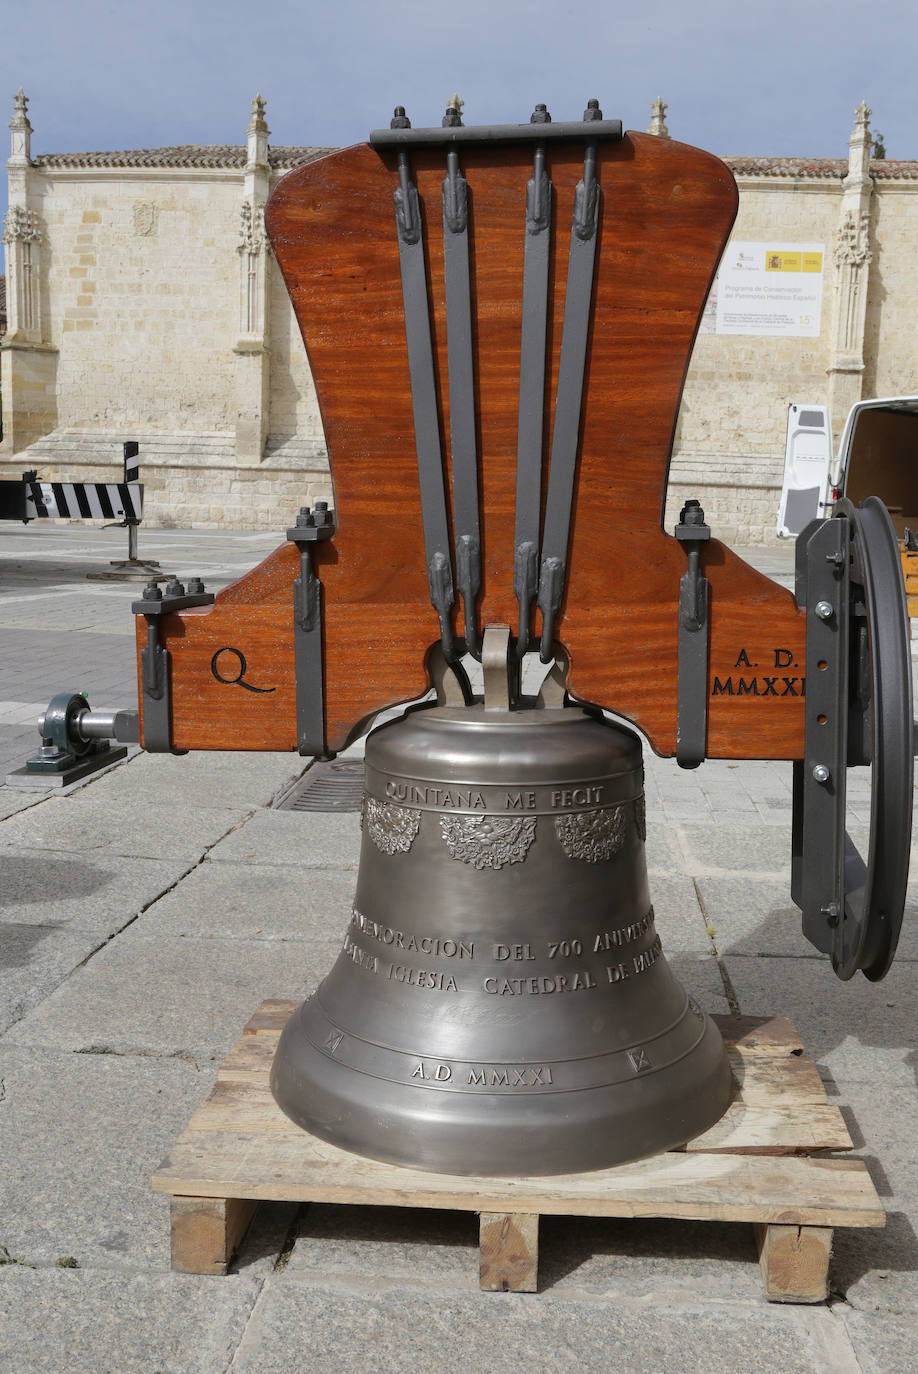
488,841
593,836
21,226
393,829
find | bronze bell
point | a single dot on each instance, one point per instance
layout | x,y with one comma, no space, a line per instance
501,1004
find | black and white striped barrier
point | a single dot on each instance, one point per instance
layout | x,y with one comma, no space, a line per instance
84,501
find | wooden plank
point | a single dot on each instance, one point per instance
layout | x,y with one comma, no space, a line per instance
795,1262
207,1232
710,1186
773,1035
775,1130
509,1252
271,1017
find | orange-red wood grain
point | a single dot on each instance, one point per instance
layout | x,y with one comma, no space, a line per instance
666,212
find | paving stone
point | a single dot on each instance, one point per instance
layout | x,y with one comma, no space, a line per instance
253,901
95,892
877,1269
128,827
883,1344
679,918
662,849
740,847
756,916
858,1030
172,995
34,960
12,801
81,1135
70,1321
389,1329
603,1256
305,839
206,778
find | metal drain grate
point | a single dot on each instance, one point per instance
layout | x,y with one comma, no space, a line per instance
333,786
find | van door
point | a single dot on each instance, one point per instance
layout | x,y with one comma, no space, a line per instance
807,460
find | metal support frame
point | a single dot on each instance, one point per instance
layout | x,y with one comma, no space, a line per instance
311,527
858,711
694,592
818,837
155,664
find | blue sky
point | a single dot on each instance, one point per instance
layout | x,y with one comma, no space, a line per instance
781,77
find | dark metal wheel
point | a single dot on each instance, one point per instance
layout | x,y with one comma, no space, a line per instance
858,712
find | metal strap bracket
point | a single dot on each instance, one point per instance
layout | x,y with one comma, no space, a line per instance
155,661
312,526
692,702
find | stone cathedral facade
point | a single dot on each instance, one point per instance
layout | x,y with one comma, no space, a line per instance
143,302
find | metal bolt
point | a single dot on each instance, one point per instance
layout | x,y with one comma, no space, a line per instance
824,610
152,592
691,513
540,115
304,518
195,586
399,119
592,110
821,773
175,588
831,911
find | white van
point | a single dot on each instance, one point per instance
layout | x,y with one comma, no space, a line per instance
877,456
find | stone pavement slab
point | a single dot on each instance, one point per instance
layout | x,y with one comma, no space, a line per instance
297,838
607,1257
12,800
34,960
80,1136
129,828
91,891
208,779
171,996
71,1321
248,902
756,916
389,1329
877,1269
883,1344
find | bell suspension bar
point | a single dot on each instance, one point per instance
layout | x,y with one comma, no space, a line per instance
569,395
463,450
532,384
423,392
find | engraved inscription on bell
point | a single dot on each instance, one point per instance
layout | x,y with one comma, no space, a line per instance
488,841
391,828
593,836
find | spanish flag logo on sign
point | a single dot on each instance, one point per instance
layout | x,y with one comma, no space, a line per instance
776,261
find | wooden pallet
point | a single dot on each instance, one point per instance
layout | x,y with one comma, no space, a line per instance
755,1165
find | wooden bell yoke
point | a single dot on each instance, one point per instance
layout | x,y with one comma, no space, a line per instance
499,323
